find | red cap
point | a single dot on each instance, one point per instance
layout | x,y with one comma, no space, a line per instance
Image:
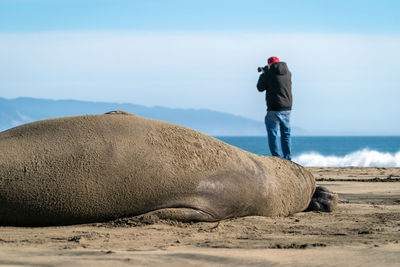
273,60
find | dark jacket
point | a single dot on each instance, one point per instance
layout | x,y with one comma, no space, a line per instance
277,82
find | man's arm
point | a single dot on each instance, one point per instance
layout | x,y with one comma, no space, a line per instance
262,82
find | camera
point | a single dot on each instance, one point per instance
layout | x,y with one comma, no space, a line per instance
259,69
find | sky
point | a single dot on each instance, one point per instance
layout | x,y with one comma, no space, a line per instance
344,56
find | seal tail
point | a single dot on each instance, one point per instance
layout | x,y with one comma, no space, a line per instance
323,200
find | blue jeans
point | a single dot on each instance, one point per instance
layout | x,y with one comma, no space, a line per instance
275,120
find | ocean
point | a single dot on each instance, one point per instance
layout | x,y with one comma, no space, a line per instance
330,151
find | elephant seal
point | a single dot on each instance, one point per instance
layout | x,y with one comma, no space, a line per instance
95,168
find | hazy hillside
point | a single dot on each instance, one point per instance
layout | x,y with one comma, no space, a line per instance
17,111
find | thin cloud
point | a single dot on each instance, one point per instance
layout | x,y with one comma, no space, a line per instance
209,70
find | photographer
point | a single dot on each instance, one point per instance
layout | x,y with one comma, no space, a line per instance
276,80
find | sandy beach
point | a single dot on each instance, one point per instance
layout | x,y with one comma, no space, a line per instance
364,230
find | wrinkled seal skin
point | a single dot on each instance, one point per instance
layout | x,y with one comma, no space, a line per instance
94,168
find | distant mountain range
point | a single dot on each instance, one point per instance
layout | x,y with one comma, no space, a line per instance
14,112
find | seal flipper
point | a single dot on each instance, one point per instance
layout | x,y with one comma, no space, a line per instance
323,200
118,112
182,214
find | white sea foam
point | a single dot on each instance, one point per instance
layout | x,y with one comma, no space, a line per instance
361,158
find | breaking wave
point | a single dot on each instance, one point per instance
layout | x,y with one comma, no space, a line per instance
361,158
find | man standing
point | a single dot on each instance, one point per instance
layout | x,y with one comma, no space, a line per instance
276,80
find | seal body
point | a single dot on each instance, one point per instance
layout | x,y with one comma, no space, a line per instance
99,167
